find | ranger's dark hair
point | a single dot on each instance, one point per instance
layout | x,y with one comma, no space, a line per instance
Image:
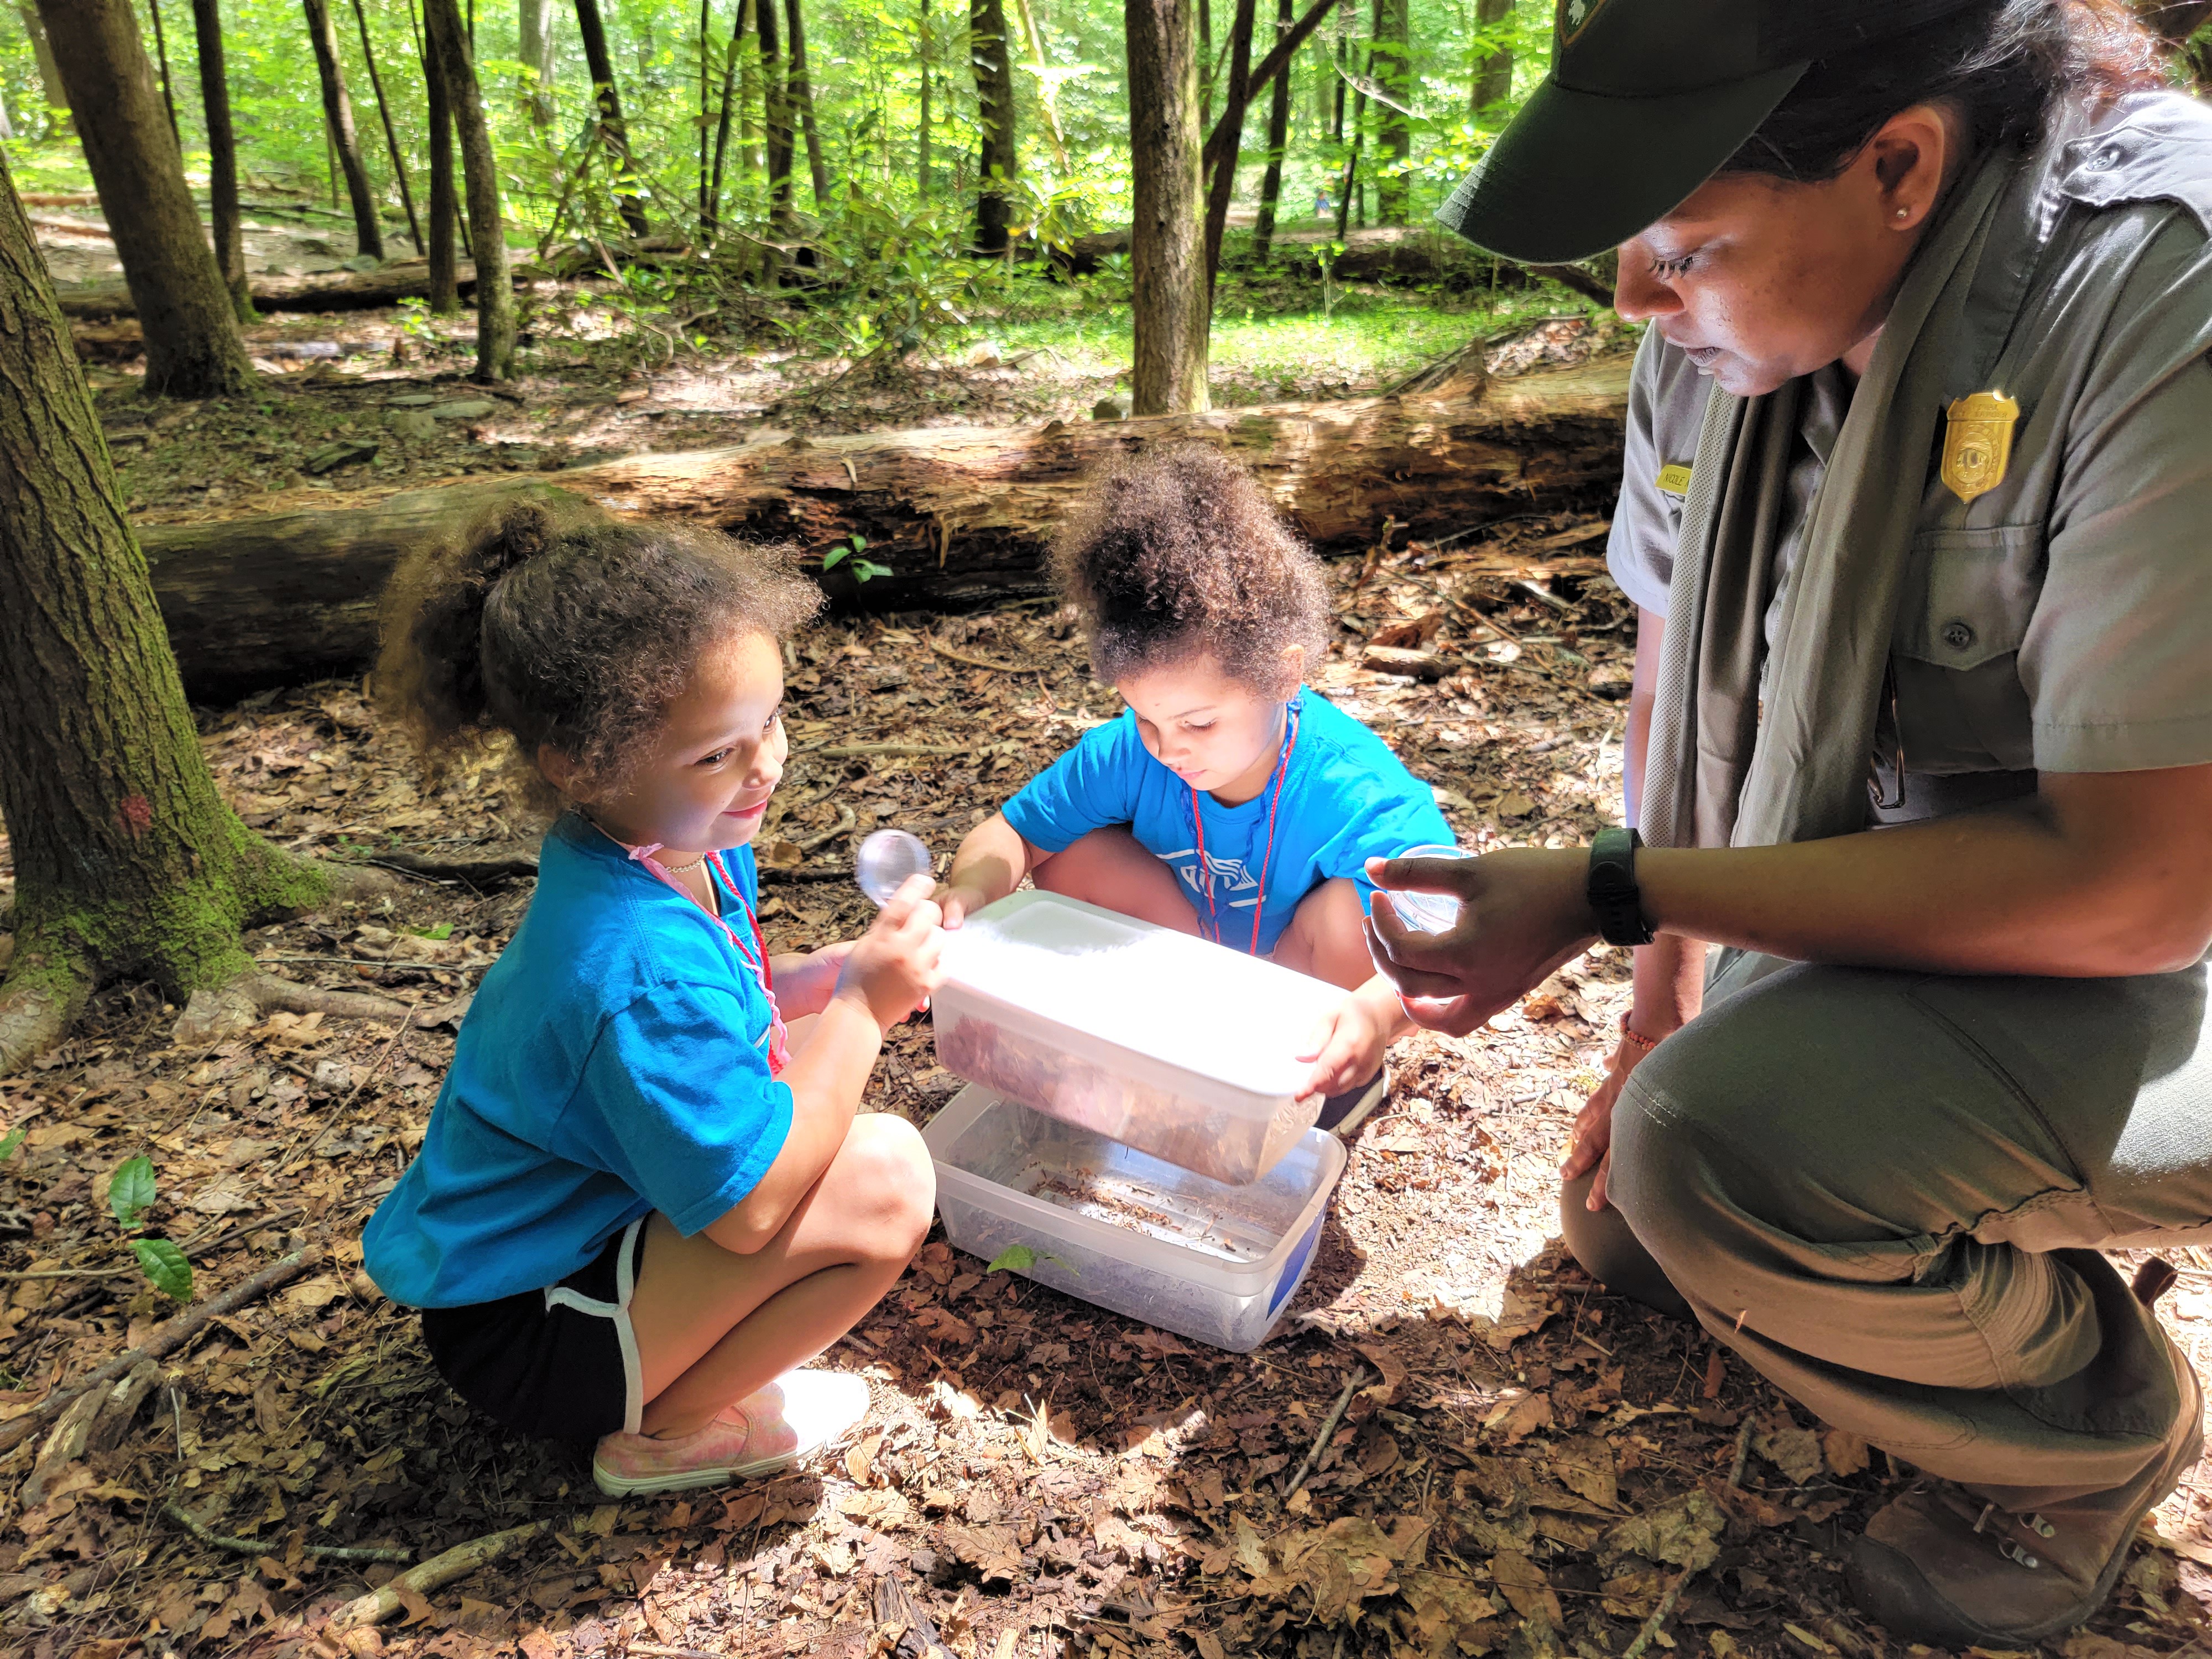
2005,65
550,623
1180,554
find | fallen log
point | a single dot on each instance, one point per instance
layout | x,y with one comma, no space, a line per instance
1380,253
321,290
960,514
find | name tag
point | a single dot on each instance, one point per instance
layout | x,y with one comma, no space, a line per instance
1674,480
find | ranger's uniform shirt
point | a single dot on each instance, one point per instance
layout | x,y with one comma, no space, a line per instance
2063,621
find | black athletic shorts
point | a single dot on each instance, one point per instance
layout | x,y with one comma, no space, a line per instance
560,1364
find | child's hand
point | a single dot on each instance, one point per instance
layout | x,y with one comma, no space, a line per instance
959,903
893,966
1346,1048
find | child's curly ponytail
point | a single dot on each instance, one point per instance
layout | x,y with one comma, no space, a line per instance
553,624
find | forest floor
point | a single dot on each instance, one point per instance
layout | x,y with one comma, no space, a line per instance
1525,1465
1528,1465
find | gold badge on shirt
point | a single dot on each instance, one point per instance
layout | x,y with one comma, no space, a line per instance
1977,443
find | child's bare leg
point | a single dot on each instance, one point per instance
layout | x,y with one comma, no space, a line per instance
1325,939
714,1326
1110,869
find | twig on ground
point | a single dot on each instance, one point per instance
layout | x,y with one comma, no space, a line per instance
1660,1614
1327,1428
365,962
951,655
659,1652
846,819
270,1546
398,1031
438,1571
1742,1453
170,1337
1460,606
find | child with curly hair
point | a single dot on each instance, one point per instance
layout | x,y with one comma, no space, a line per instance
646,1195
1229,800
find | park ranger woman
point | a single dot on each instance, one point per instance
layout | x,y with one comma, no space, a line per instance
1917,513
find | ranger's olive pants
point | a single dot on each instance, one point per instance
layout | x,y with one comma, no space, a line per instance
1887,1192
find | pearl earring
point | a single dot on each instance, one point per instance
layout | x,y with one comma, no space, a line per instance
1904,213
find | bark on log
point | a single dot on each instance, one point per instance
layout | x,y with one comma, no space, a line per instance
962,514
322,290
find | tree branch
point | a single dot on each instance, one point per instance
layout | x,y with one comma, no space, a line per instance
1223,137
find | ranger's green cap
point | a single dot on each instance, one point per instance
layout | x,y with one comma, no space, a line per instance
1645,101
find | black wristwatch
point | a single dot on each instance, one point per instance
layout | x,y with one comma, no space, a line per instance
1614,897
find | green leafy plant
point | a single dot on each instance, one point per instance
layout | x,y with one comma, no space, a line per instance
416,323
444,930
864,569
13,1140
131,1194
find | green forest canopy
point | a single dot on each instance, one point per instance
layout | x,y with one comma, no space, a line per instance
875,66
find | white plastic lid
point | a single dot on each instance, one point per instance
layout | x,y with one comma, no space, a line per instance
1204,1007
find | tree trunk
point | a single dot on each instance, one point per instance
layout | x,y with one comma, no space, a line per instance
1279,135
534,36
997,162
712,217
1394,73
1205,64
775,111
1277,62
1350,181
50,75
614,133
1221,186
391,136
444,291
1172,299
192,344
749,136
161,57
7,127
801,97
495,321
921,186
223,157
126,860
962,514
1493,70
338,115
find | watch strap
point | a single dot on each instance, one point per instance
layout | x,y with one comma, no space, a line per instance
1615,899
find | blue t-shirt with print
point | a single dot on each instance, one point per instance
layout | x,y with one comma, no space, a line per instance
614,1062
1345,799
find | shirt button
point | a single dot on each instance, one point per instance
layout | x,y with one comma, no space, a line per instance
1958,635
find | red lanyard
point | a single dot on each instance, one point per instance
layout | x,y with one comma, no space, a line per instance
1198,824
779,1054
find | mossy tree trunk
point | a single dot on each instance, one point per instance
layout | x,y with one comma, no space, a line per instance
1172,299
337,117
998,161
1279,135
495,318
802,103
614,133
127,862
444,206
193,349
1393,72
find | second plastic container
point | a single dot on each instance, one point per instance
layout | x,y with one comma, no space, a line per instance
1099,1221
1182,1048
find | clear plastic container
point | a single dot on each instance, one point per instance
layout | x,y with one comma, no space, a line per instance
1176,1047
1105,1223
1429,913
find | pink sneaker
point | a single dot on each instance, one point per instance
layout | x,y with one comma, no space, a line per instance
793,1418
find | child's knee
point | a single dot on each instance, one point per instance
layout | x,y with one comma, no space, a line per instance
890,1182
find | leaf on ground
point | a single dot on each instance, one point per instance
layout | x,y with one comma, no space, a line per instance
130,1190
1794,1451
165,1268
1844,1453
1519,1416
1584,1465
1523,1584
1393,1371
1685,1531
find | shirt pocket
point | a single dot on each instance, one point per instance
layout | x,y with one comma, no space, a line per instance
1970,594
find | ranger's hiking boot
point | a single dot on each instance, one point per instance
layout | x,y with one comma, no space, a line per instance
1941,1565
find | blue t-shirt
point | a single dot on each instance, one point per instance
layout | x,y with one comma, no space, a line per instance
614,1062
1345,799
